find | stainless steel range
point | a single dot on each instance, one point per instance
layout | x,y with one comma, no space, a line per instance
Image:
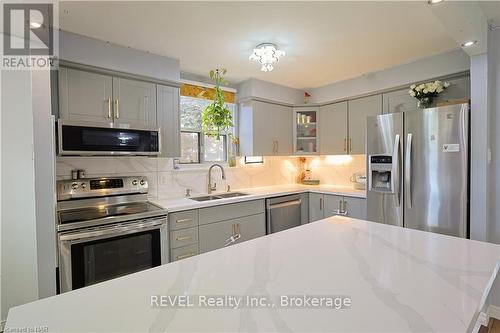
107,228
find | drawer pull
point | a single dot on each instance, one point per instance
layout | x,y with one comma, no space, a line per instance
187,255
183,220
183,238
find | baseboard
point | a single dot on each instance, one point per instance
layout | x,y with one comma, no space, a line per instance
494,311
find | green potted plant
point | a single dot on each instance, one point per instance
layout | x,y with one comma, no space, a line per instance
217,118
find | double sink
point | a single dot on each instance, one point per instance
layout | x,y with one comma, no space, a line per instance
219,196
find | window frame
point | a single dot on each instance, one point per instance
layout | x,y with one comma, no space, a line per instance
201,138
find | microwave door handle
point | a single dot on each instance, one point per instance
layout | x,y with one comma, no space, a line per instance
396,170
408,171
112,231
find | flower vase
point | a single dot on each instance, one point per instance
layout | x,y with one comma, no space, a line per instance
231,158
424,102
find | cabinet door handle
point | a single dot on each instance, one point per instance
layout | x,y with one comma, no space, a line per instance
117,109
183,220
109,107
183,238
277,146
350,145
187,255
345,144
320,203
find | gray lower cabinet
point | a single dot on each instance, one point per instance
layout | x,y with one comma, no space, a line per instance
326,205
315,207
333,205
220,234
167,107
355,207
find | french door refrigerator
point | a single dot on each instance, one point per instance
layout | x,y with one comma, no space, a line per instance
417,164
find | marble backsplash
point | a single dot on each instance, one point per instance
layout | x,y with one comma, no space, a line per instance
165,182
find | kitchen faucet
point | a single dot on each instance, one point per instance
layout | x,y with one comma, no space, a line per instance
214,187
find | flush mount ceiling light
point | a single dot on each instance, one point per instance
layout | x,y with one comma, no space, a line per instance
35,24
469,43
266,54
433,2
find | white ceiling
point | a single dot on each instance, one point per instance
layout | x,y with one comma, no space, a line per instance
324,41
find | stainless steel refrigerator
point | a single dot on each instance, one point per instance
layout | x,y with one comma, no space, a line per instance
417,164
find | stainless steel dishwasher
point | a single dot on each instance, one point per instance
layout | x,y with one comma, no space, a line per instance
286,212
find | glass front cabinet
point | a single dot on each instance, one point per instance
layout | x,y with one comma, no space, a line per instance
306,130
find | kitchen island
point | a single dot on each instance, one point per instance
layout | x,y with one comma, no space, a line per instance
387,279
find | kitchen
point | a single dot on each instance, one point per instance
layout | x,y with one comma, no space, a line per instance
135,185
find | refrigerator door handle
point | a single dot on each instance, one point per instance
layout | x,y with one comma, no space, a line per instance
396,170
408,171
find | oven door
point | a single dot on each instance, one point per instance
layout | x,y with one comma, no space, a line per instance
89,256
82,138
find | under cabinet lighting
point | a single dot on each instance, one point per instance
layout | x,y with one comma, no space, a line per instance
469,43
254,159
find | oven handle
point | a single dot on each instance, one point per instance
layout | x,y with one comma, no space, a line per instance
116,230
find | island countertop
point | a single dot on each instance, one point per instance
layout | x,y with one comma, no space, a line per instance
397,280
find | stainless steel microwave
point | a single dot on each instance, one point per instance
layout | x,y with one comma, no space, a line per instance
86,138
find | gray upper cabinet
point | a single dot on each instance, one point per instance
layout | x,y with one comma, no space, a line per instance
85,96
220,234
95,97
401,101
398,101
459,89
134,101
265,129
359,110
167,115
333,129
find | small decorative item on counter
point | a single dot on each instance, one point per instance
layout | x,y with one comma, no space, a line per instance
176,163
233,151
302,172
74,174
310,182
307,96
81,174
425,92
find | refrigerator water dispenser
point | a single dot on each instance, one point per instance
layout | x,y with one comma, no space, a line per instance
381,174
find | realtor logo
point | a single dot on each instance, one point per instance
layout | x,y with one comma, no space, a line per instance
28,29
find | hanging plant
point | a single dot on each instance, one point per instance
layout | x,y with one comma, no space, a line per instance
217,118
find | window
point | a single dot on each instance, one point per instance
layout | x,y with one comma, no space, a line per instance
195,146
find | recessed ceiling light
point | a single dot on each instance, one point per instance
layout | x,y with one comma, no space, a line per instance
35,24
469,43
433,2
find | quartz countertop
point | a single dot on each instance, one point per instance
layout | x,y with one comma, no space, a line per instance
398,280
178,204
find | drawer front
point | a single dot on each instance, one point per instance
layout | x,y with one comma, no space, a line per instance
333,205
183,252
183,220
231,211
183,237
216,235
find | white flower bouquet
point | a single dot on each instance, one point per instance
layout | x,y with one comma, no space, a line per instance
425,92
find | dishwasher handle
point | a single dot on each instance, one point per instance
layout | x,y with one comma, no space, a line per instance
285,204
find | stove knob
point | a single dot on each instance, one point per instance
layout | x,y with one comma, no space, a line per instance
134,182
74,186
143,182
83,185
